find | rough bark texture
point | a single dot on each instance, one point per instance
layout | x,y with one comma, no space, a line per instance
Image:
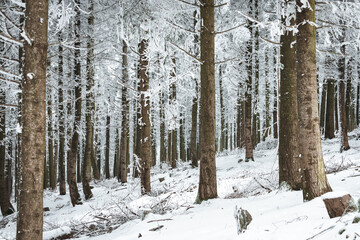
182,138
5,205
89,137
194,108
322,107
61,117
125,118
249,155
162,128
222,113
30,217
107,150
174,152
145,125
207,184
51,156
289,161
314,178
330,110
344,145
74,143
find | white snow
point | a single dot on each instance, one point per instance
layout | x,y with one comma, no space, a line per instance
119,212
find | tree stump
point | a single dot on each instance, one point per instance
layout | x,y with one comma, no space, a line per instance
339,204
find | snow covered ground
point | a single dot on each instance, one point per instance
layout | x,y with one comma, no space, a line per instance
120,212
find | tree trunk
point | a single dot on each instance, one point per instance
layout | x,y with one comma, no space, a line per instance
52,166
89,137
74,143
107,149
30,217
62,134
5,205
348,99
182,138
249,155
222,114
145,125
125,117
342,102
194,108
289,162
162,128
314,178
322,107
267,126
336,107
207,184
330,109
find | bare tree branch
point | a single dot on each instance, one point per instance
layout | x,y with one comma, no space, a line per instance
230,29
9,59
220,5
8,80
226,60
2,71
191,31
10,39
192,4
5,16
187,53
8,105
269,41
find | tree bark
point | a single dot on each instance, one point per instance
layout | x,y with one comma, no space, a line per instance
249,155
52,166
162,128
207,184
182,138
289,162
314,178
330,109
145,125
74,143
107,149
30,217
342,102
125,117
322,107
5,205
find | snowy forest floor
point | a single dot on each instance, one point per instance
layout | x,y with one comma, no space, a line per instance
119,211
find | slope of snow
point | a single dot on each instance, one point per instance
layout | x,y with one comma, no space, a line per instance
119,211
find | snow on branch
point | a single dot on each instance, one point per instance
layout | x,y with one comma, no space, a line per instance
187,53
8,80
10,39
192,4
187,30
220,5
227,60
2,71
269,41
5,16
230,29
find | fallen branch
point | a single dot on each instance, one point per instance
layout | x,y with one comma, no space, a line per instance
320,232
266,188
160,220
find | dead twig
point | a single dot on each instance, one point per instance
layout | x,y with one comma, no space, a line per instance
160,220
